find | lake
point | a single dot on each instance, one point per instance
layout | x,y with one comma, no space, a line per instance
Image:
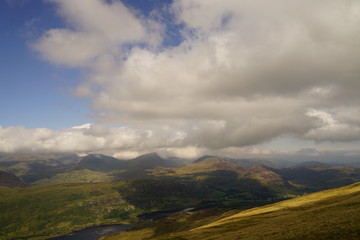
94,233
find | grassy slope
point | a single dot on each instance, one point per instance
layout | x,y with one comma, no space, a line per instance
208,165
58,209
332,214
84,175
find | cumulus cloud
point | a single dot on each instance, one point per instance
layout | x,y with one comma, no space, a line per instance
97,28
331,129
86,138
123,142
128,142
245,72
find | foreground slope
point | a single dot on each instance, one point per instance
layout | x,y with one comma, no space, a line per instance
331,214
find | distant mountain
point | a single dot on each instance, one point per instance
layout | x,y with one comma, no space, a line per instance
69,159
32,157
142,166
10,180
91,168
257,162
100,163
311,164
307,176
33,167
210,163
206,157
264,175
312,179
150,161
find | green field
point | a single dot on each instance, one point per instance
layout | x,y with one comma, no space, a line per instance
84,175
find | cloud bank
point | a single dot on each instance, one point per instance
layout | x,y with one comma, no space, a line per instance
127,142
244,72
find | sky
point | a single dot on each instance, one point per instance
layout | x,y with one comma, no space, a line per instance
237,78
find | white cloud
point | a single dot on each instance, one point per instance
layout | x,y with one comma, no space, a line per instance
331,129
86,138
62,46
246,71
97,28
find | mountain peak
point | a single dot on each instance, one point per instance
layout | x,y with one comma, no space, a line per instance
152,154
211,163
148,160
100,162
205,157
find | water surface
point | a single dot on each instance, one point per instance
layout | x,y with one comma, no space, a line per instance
94,233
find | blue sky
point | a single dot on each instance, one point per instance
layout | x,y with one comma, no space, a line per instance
183,77
33,92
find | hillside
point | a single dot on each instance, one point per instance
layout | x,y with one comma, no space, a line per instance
100,163
141,166
311,179
27,213
331,214
210,164
10,180
75,176
149,183
55,169
203,165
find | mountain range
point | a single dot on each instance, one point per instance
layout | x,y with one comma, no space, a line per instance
58,194
53,169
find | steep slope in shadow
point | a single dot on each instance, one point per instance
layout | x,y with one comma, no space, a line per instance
10,180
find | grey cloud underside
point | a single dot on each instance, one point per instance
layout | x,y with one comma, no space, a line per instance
246,71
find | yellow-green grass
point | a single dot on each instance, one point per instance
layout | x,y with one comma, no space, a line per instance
38,212
207,165
84,175
212,164
331,214
292,203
